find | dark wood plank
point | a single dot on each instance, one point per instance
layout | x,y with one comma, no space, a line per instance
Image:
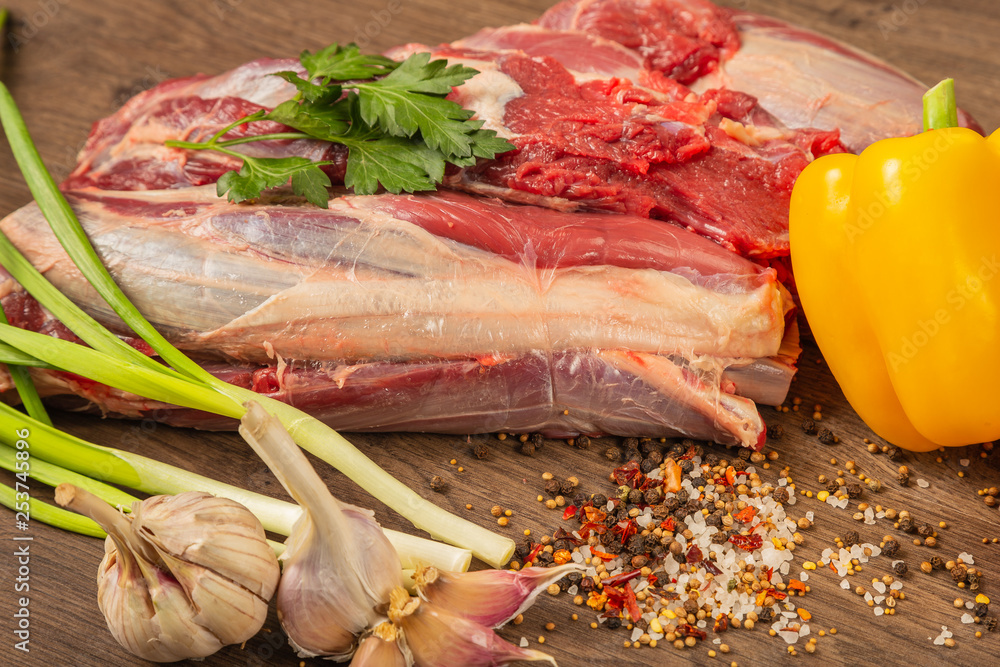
76,62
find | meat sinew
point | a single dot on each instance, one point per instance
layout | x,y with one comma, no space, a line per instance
439,312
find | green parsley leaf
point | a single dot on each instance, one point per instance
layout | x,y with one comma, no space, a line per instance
344,63
325,122
312,184
410,99
310,91
486,144
258,174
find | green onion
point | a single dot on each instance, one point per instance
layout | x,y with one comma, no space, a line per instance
940,109
65,455
52,515
26,388
53,475
113,362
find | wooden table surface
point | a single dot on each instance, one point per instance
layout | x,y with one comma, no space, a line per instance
75,61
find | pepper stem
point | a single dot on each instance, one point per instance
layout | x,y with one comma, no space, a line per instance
940,110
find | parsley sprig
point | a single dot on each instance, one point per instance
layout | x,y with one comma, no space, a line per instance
393,117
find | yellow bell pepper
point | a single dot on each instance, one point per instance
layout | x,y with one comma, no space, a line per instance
896,256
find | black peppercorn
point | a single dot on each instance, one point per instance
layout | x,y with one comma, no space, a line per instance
544,557
851,538
959,573
981,609
650,542
613,623
906,525
563,584
890,547
924,530
714,519
562,544
574,578
522,549
646,466
655,456
579,499
854,490
894,453
937,563
671,504
712,460
633,454
613,454
809,426
899,568
990,623
775,431
538,440
652,495
582,442
690,606
677,450
826,436
739,465
719,538
972,578
600,501
567,488
903,478
646,445
553,487
832,486
635,496
438,484
780,494
481,451
586,584
743,454
660,512
527,448
607,537
614,547
630,443
766,614
636,544
696,450
682,496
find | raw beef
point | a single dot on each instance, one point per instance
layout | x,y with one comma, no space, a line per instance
440,312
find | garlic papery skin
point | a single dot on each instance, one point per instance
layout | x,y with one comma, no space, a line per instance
339,568
489,597
379,649
160,605
432,636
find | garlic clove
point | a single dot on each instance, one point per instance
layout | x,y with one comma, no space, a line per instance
435,637
238,548
489,597
339,566
379,649
231,612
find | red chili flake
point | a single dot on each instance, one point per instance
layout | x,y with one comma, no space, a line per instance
668,524
652,579
767,574
587,528
691,631
624,599
620,579
710,567
796,585
747,542
627,527
562,534
746,514
626,473
601,555
776,594
569,513
594,515
694,554
534,552
721,623
731,476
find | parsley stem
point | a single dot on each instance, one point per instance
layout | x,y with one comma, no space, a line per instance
214,145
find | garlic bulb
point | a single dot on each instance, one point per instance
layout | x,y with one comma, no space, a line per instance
379,649
339,568
489,597
433,636
182,576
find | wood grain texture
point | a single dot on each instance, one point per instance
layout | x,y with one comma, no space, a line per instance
77,61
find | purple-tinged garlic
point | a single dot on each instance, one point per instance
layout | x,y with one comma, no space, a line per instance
183,575
339,567
379,649
433,636
489,597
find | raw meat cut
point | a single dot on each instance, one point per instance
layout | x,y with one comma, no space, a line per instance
438,312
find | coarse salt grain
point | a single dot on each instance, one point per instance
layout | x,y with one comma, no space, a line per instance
845,584
810,515
970,604
923,483
879,611
896,585
879,586
523,643
573,590
966,558
968,618
577,557
636,633
964,462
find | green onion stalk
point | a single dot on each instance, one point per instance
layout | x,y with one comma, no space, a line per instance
111,361
58,457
